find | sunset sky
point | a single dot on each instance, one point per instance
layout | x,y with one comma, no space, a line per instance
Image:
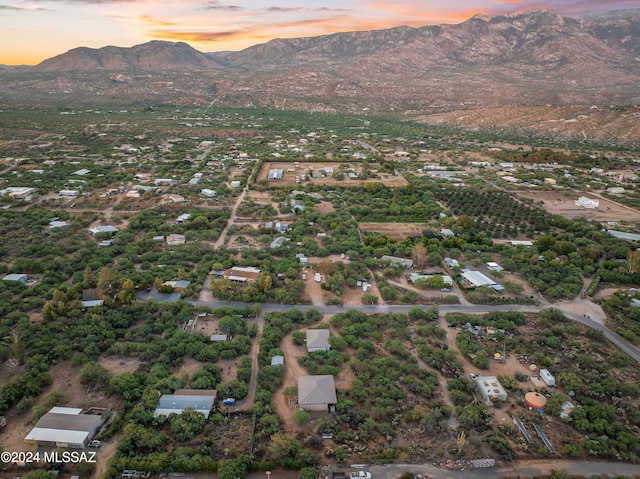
34,30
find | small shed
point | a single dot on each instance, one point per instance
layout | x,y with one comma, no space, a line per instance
277,361
218,337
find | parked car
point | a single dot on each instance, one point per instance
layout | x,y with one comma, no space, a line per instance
95,444
360,475
229,401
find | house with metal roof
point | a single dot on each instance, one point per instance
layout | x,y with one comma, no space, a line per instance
317,393
20,278
475,279
200,400
91,298
103,229
65,427
277,361
405,263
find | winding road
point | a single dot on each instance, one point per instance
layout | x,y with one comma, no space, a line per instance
565,307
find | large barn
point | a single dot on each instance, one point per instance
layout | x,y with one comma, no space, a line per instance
65,427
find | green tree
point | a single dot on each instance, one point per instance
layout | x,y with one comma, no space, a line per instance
265,282
94,374
301,417
282,447
369,298
233,468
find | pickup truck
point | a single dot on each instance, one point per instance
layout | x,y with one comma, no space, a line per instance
360,475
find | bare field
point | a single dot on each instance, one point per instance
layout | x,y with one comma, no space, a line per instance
397,231
290,172
563,203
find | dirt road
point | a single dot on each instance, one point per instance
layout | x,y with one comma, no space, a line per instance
291,372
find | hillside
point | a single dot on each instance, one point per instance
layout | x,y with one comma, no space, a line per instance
489,65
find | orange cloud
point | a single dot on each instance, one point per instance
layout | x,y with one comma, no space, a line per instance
155,21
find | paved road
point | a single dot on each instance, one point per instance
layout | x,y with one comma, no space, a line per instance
615,338
521,469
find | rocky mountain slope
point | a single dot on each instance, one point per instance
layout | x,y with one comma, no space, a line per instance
489,65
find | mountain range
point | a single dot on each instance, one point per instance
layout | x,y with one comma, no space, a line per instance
510,65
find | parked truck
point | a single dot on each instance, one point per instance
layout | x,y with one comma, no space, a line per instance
360,475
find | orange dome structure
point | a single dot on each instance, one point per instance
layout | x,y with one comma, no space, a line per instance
535,400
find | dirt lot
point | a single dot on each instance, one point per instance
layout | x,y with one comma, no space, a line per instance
397,231
563,203
324,208
289,177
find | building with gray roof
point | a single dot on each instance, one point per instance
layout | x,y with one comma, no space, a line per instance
200,400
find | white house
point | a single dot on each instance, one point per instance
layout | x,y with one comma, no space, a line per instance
490,388
587,202
103,229
69,192
200,400
17,192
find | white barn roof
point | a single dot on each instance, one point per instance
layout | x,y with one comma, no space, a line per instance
57,435
476,278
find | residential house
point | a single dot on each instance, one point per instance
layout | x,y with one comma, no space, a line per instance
452,263
19,278
405,263
178,286
589,203
278,242
624,235
103,229
199,400
317,393
239,274
57,224
318,340
17,192
490,388
175,239
70,193
91,298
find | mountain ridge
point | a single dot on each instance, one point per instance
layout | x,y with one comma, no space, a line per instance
494,72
